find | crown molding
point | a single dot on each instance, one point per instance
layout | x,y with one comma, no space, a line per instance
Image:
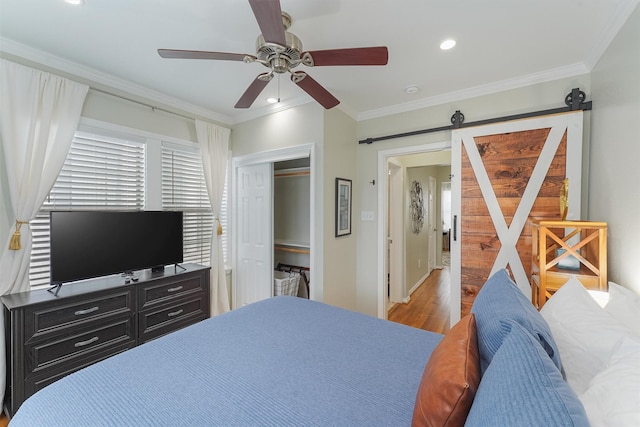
99,78
472,92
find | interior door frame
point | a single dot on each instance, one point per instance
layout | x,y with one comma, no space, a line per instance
315,237
383,201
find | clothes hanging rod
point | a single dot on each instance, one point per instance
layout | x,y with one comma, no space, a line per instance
574,101
152,107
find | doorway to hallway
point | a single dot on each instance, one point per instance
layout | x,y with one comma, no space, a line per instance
416,259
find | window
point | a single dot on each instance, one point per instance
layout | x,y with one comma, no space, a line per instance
184,189
99,173
109,173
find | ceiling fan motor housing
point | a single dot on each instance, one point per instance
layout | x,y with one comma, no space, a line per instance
279,58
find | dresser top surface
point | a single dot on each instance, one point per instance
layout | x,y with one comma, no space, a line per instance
115,281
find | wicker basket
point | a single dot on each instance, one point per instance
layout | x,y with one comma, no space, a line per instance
285,283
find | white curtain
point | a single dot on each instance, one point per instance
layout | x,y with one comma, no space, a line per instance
39,113
214,148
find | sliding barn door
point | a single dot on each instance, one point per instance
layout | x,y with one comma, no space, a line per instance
253,270
503,175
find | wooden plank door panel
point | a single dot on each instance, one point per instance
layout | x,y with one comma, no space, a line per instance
504,175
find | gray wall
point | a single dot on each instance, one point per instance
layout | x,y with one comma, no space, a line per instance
416,245
614,179
339,252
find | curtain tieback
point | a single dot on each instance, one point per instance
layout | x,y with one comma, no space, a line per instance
14,244
219,228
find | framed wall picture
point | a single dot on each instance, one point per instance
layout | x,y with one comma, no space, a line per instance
343,207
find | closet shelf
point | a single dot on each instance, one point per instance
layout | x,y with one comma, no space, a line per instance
291,172
291,246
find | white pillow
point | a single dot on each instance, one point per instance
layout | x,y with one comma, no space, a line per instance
601,297
613,396
624,305
583,331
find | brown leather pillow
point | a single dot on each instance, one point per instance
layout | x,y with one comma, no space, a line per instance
450,379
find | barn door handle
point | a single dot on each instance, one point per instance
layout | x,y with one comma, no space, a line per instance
455,228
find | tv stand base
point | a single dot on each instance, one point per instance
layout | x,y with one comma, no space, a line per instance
55,289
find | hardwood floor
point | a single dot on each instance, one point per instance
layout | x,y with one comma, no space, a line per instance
428,307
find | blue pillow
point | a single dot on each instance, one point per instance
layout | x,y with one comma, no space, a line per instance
501,299
523,387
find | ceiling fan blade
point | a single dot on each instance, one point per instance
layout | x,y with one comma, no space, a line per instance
355,56
200,54
253,91
314,89
269,16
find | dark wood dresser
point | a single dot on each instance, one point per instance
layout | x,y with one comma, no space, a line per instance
49,336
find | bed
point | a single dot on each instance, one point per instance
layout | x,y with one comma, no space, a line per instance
281,361
289,361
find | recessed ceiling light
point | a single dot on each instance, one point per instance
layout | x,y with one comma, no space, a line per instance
75,2
411,89
272,100
447,44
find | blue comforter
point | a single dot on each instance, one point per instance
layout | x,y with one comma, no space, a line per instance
284,361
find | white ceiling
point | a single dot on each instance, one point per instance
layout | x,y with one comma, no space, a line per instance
501,44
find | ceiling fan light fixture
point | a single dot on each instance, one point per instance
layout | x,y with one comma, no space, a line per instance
75,2
447,44
272,100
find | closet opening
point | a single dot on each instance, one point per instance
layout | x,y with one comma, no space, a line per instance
291,227
275,226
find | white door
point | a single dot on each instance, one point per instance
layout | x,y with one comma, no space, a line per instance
431,219
254,225
396,235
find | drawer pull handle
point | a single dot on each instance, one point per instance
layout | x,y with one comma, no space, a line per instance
176,289
87,311
87,342
175,313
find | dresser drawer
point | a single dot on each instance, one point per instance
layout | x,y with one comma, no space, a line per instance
43,320
153,294
82,344
154,323
33,383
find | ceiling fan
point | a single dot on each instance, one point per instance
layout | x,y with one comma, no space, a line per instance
281,51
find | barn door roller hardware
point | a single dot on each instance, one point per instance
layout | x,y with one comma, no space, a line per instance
575,100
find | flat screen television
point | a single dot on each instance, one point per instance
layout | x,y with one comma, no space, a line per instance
86,244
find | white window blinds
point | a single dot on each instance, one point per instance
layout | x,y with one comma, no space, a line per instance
99,173
184,189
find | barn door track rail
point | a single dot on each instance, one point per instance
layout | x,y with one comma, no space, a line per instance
575,100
